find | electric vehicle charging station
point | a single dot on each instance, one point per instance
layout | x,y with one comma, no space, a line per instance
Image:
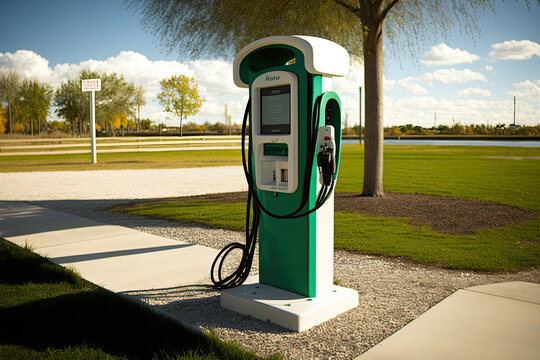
293,161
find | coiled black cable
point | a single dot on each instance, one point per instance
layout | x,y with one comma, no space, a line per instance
248,250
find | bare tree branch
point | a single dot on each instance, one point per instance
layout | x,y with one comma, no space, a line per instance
387,10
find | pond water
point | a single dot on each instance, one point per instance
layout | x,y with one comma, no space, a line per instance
511,143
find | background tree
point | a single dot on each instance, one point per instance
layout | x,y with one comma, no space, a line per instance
32,104
18,127
146,124
117,96
221,28
228,119
3,120
120,122
60,126
72,104
346,124
10,80
180,96
140,100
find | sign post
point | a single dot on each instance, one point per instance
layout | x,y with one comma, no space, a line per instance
92,85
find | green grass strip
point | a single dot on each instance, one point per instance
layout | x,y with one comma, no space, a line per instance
50,312
474,172
513,247
503,175
121,161
230,216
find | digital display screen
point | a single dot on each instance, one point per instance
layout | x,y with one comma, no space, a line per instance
276,110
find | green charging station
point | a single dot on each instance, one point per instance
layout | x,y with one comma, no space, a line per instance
294,122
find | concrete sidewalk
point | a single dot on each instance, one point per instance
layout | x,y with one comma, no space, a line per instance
114,257
498,321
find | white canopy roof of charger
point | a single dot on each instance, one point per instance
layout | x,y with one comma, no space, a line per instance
322,56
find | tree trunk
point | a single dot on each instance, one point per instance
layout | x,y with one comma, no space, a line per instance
374,127
9,113
138,119
181,116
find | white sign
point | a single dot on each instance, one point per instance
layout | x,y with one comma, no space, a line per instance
91,85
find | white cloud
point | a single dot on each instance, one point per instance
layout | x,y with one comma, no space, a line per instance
420,110
350,83
348,89
215,80
28,64
527,90
515,50
411,86
442,54
448,76
488,68
389,84
473,92
213,76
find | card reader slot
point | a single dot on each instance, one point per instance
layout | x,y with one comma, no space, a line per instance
272,149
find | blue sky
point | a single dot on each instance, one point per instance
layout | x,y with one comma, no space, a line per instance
457,77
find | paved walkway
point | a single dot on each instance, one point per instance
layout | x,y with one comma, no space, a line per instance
498,321
114,257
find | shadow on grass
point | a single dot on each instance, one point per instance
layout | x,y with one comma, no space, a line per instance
19,266
85,318
46,309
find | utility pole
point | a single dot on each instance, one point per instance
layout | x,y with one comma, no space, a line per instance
435,122
360,115
514,110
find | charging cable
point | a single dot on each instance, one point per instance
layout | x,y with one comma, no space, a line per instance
327,165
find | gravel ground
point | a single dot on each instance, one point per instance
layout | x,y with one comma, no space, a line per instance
392,292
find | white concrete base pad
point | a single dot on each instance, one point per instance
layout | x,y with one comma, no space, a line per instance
287,309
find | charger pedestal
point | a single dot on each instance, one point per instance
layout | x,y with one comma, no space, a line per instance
285,308
292,103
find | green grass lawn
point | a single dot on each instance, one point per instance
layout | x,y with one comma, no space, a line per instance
48,312
120,161
467,172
